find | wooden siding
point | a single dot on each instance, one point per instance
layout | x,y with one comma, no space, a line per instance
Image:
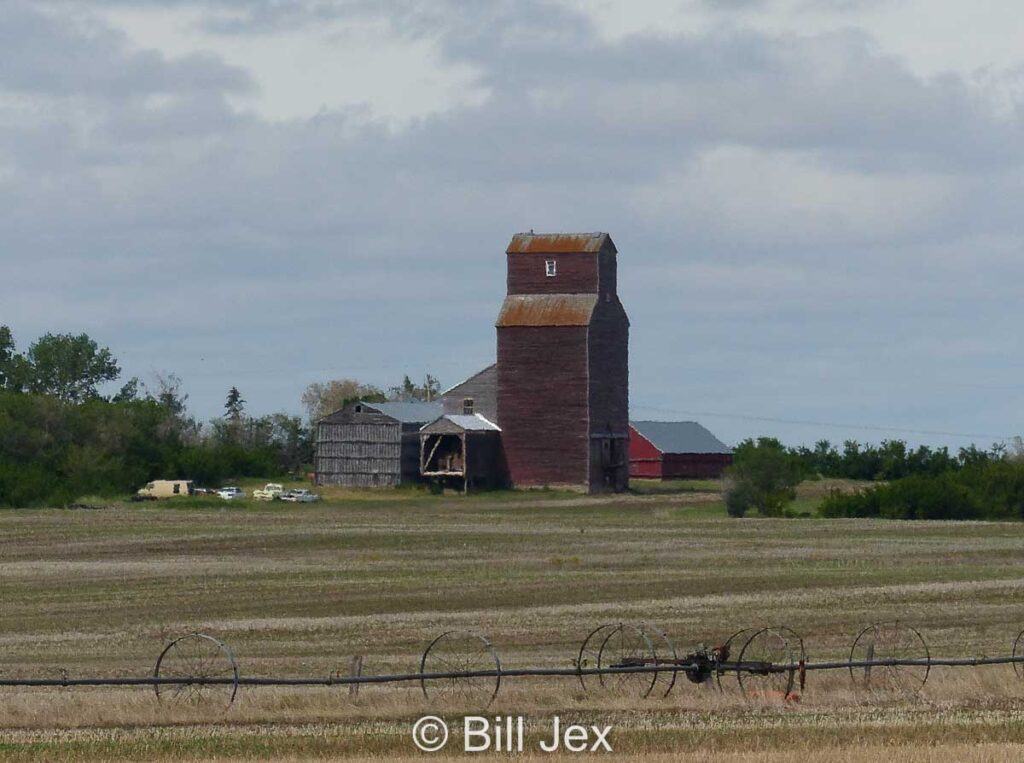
608,348
542,404
360,447
577,274
359,455
644,458
482,388
677,466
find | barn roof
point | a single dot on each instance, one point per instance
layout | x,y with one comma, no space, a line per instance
680,437
547,310
490,369
558,243
415,412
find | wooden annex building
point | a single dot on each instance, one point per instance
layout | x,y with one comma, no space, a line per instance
667,450
372,444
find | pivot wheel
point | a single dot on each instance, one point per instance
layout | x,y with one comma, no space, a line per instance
199,668
627,646
666,653
728,651
590,650
1018,654
890,641
770,662
459,655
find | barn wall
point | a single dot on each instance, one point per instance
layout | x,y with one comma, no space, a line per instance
577,274
410,461
695,465
483,388
359,454
644,458
366,448
485,461
543,405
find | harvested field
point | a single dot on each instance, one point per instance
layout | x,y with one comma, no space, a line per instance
300,590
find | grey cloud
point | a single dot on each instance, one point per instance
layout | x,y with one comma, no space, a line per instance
736,171
42,54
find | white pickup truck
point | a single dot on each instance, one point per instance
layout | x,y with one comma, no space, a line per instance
270,492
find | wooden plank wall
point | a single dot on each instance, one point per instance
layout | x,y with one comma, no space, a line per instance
359,455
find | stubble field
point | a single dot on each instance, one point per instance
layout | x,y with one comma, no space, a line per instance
298,591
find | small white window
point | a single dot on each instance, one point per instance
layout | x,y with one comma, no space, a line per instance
551,268
467,406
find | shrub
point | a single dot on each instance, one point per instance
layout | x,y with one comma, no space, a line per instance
763,476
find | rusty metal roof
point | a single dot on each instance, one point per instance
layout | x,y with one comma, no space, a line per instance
547,310
557,243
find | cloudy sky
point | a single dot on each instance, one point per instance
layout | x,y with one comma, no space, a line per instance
816,202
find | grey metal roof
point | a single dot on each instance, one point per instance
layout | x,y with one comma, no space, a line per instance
471,422
408,413
680,437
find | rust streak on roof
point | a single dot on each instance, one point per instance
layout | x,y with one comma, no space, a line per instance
547,310
556,243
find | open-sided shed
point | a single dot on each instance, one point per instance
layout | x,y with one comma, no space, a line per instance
675,450
464,450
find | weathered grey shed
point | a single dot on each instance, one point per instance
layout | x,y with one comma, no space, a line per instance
372,444
477,394
463,451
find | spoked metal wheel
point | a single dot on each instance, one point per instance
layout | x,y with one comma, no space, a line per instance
589,652
202,670
729,649
1018,654
666,652
890,641
770,663
460,654
627,646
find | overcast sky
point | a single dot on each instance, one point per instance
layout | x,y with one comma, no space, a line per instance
816,202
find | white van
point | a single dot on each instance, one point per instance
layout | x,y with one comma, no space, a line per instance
166,489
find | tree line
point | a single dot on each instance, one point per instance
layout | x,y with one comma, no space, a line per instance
61,438
913,483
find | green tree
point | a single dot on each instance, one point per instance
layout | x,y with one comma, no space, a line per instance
68,367
234,406
763,476
408,390
320,399
8,358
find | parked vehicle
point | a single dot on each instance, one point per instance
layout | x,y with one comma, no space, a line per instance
270,492
165,489
300,496
231,493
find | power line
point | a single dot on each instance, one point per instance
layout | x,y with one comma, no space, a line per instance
833,425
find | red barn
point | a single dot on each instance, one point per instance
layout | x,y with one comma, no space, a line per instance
668,450
563,364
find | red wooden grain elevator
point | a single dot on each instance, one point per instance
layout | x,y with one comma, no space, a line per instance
563,364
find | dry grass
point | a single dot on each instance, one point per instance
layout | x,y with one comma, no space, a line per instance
299,590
